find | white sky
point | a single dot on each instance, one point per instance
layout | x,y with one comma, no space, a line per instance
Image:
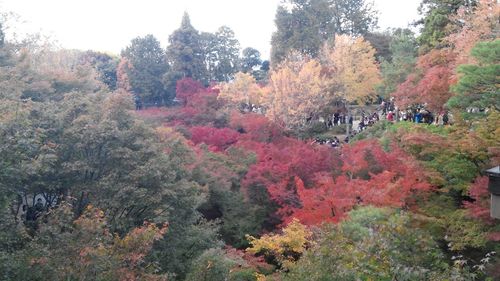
109,25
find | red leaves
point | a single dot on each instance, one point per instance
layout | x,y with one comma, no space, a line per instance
434,87
372,176
430,84
480,208
256,127
186,88
310,182
218,139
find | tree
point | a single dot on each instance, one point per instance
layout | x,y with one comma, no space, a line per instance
220,139
381,42
216,265
67,249
375,244
105,66
186,88
472,26
296,92
353,71
395,70
370,176
478,84
306,25
122,77
49,74
430,83
243,90
221,50
250,59
436,18
228,51
285,248
185,53
148,65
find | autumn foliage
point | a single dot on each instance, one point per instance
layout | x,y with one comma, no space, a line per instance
430,85
219,139
369,176
186,88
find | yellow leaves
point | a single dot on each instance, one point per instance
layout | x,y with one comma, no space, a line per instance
243,90
293,240
354,71
299,88
296,91
260,277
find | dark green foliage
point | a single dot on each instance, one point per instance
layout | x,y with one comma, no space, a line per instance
212,265
305,25
222,175
227,54
221,50
185,53
251,58
436,18
90,149
400,64
381,41
148,67
478,84
373,244
182,245
105,66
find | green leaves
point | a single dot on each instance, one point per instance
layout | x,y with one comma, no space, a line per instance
478,84
148,65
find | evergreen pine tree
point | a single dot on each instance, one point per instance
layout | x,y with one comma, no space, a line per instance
185,53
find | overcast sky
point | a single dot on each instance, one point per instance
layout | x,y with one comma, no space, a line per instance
109,25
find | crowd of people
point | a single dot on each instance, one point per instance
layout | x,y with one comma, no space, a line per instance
339,118
368,121
388,111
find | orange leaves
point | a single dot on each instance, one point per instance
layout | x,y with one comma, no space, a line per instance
431,84
473,27
123,80
123,257
372,176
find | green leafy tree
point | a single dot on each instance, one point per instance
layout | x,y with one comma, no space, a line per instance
250,59
216,265
395,69
185,53
90,149
305,25
148,62
374,244
478,84
84,249
381,41
436,18
105,66
221,50
228,50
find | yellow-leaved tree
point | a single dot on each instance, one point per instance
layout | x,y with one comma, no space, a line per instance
352,69
243,90
286,247
296,91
